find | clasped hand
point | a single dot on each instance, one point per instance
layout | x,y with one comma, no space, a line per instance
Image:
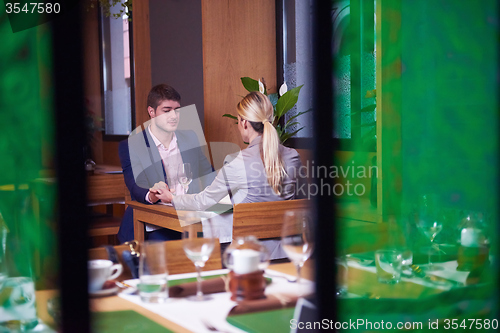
161,191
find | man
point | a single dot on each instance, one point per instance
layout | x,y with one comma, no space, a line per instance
152,155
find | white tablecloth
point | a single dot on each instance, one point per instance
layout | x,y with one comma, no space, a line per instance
190,314
449,271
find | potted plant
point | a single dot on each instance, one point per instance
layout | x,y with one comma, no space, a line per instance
283,101
106,5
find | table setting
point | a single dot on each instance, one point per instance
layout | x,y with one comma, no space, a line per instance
250,295
194,316
226,300
437,266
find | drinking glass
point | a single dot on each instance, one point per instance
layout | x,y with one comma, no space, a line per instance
198,246
153,274
430,227
18,312
17,288
184,175
341,288
406,259
3,247
297,238
388,265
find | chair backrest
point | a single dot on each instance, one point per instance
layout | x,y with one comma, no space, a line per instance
263,219
105,188
177,262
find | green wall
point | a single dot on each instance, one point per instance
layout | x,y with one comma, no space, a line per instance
449,102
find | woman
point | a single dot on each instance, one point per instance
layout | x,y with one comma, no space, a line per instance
264,171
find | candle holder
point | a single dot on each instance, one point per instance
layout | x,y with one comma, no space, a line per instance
473,251
246,259
245,287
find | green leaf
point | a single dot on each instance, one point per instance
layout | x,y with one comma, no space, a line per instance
274,99
228,115
286,136
250,84
287,101
291,125
295,116
366,125
279,130
369,108
369,134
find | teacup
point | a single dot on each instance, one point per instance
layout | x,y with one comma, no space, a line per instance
101,271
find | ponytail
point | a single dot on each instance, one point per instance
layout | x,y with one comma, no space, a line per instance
271,158
258,110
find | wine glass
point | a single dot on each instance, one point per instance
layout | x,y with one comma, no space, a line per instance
184,175
297,238
198,244
430,226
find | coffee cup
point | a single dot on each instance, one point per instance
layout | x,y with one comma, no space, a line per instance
101,271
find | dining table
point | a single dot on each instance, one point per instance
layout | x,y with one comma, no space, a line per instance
131,305
165,216
182,315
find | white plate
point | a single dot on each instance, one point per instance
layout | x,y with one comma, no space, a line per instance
104,292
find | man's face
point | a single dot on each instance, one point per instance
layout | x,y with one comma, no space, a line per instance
165,117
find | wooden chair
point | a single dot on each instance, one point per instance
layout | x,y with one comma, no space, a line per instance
106,189
177,262
263,219
104,226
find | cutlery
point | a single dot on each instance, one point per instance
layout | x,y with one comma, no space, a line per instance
361,261
280,276
433,278
212,328
128,289
370,295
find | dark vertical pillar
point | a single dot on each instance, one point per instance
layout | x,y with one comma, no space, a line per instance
324,148
70,139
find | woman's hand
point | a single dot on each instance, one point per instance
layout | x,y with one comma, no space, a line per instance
165,195
156,190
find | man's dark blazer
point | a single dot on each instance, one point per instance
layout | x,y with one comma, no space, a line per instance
142,168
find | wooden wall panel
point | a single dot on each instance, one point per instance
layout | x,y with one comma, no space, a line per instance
142,59
239,39
92,74
110,156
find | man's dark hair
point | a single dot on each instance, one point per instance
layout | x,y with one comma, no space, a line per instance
160,93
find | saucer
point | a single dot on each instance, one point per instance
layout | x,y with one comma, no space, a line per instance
104,292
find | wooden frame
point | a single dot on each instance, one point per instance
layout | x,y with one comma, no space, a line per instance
263,219
177,262
160,215
105,189
260,219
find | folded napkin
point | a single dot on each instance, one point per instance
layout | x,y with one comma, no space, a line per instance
210,286
272,302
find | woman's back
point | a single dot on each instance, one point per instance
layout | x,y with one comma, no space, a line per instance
253,184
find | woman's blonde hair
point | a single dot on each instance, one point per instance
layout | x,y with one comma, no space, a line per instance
258,110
